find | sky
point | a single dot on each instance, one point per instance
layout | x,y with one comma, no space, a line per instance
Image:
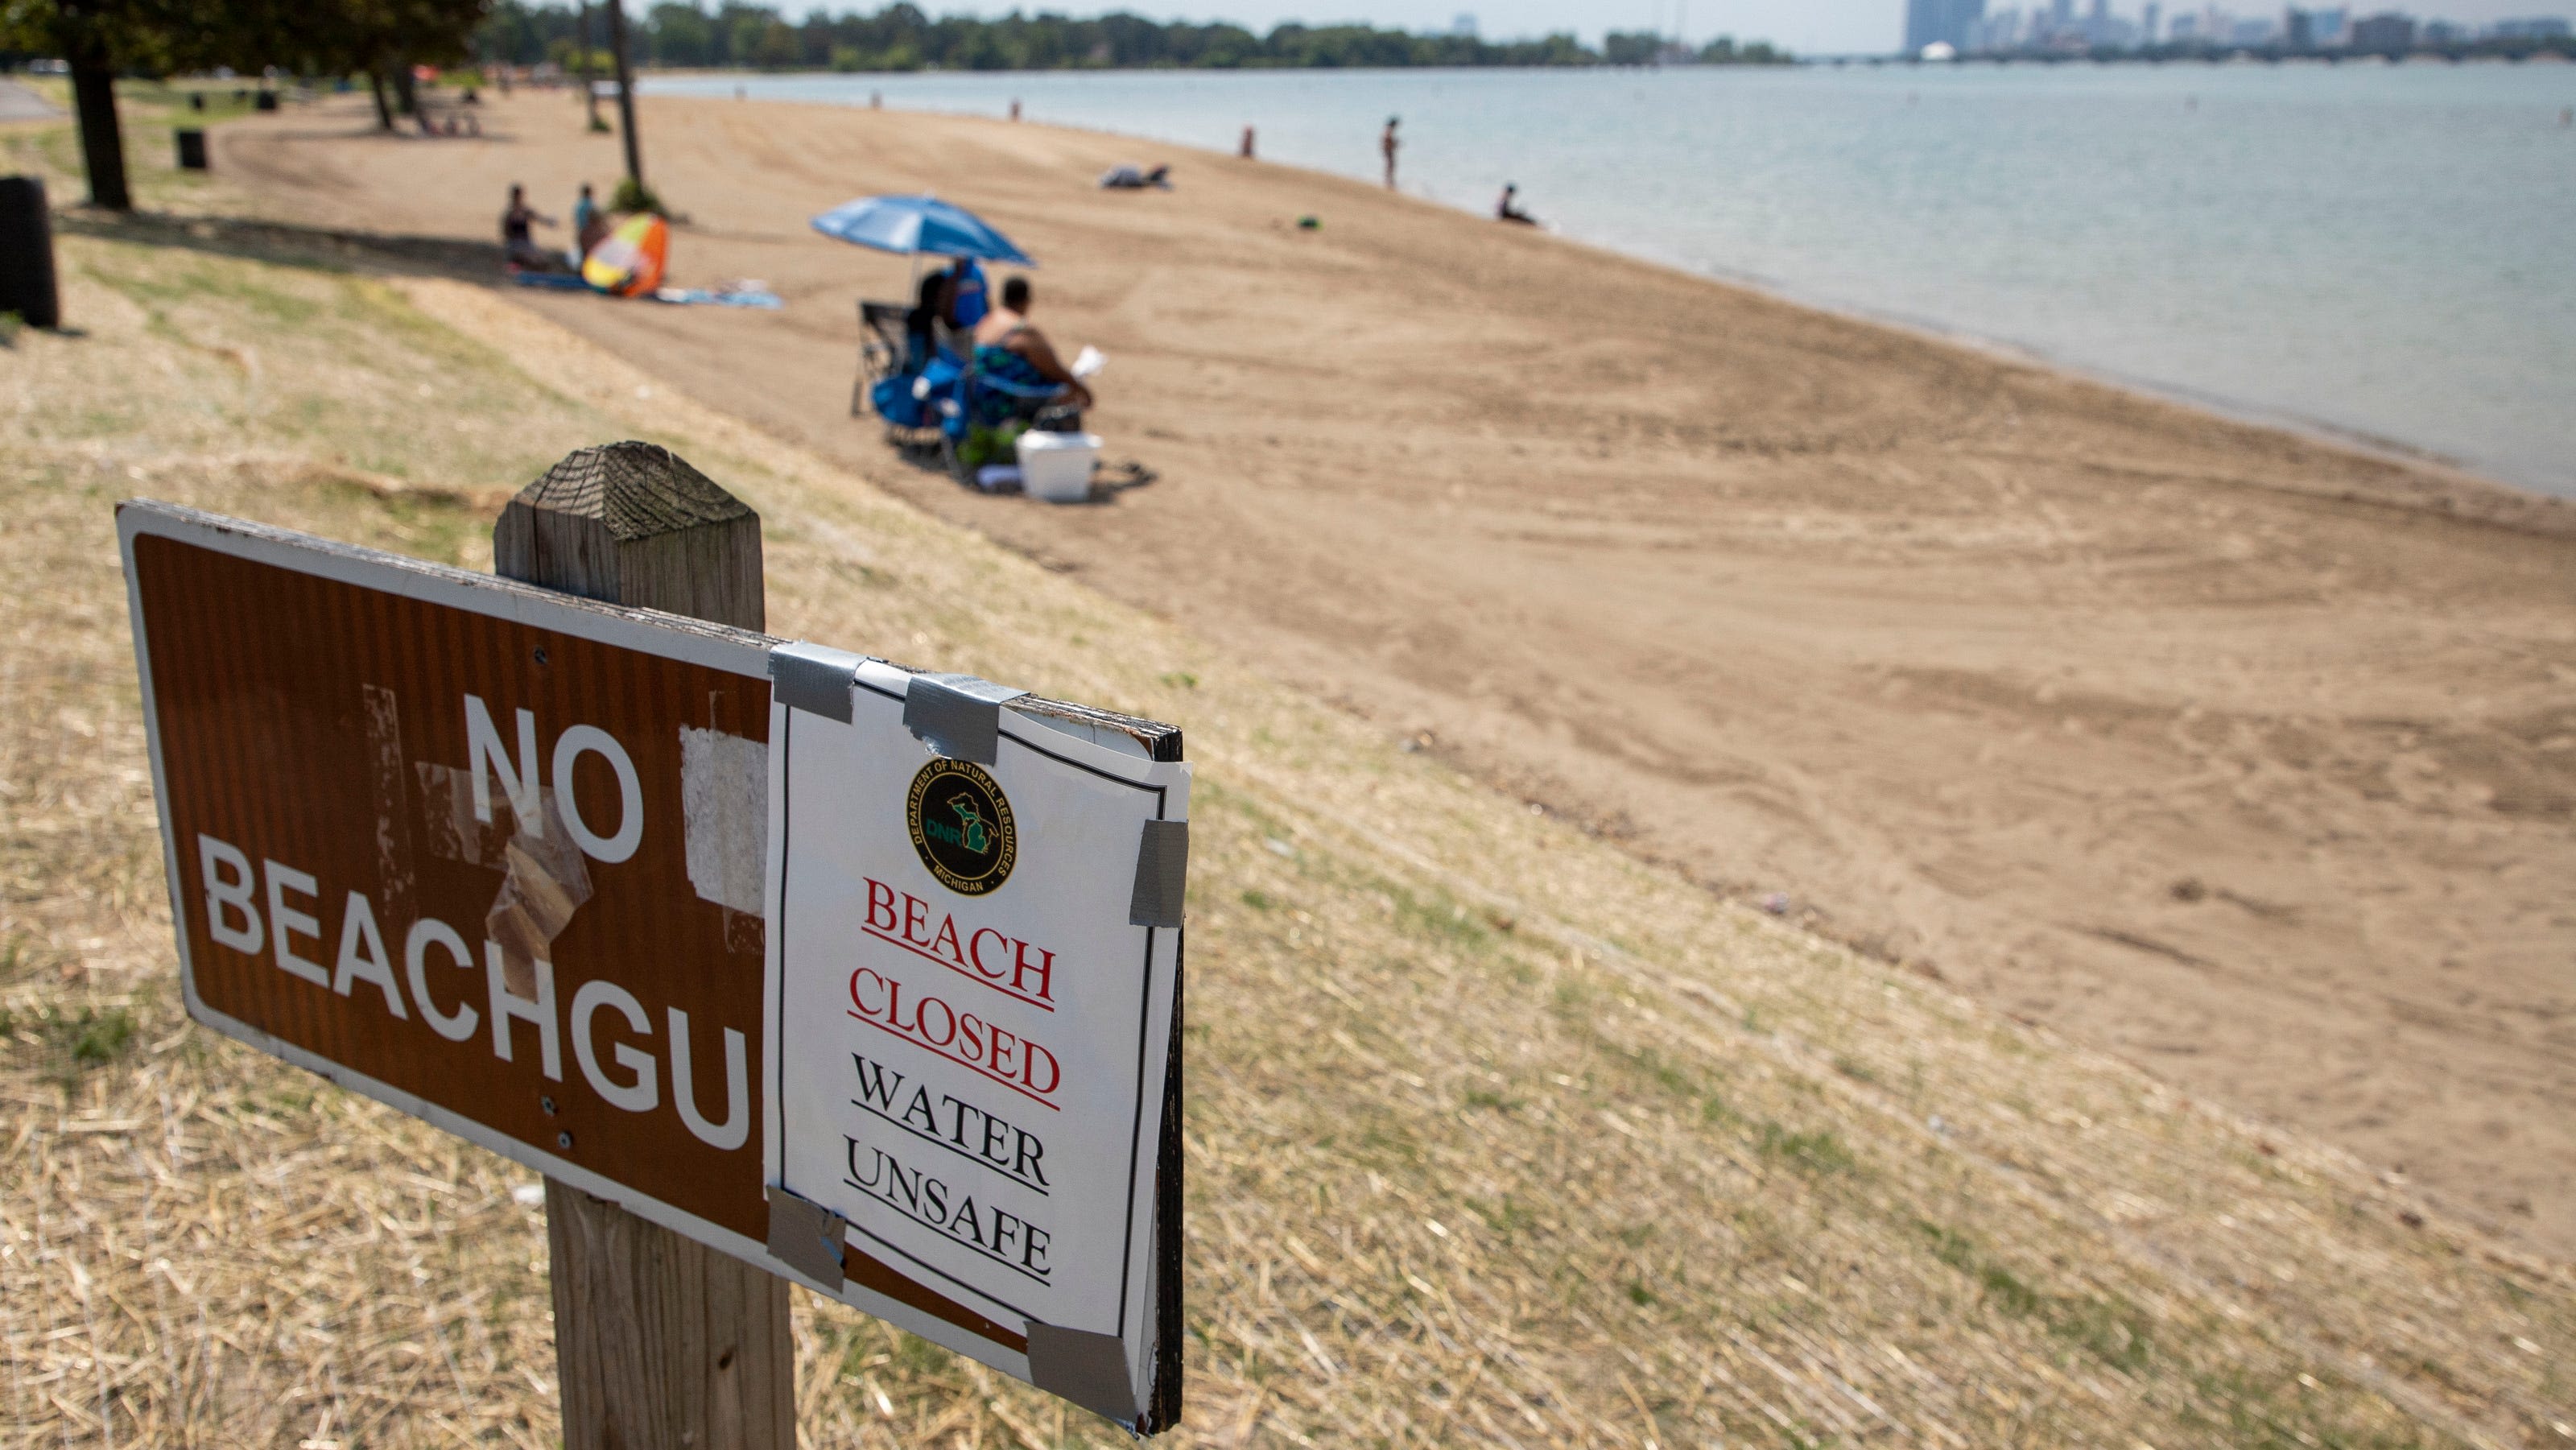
1811,27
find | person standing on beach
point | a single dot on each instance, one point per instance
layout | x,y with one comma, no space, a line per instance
1247,143
1015,108
589,223
1386,143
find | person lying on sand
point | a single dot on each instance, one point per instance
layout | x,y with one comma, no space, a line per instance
1509,210
1008,348
1131,177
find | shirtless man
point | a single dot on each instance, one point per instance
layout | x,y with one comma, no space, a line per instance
1386,143
1006,329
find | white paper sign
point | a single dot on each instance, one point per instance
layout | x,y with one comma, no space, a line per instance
969,1033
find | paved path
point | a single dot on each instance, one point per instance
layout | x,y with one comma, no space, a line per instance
17,103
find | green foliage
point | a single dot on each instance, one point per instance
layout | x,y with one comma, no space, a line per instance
2108,1327
308,37
1818,1152
65,1043
633,196
901,37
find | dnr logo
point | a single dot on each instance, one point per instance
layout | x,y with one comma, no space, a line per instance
961,827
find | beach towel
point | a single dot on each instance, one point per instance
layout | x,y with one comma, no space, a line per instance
630,262
759,297
1015,380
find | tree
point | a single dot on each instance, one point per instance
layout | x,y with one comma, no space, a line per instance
381,39
102,39
641,195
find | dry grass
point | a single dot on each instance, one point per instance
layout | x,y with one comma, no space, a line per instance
1496,1136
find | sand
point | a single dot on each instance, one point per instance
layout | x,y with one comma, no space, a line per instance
2242,755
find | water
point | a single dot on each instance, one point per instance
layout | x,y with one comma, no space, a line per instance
2385,251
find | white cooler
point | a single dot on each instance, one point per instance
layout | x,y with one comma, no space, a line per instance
1057,466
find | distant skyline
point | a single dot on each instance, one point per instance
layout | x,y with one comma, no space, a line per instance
1810,27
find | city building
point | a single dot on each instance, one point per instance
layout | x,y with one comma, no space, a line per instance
2148,22
2538,27
1953,23
2387,33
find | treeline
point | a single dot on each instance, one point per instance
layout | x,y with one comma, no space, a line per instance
902,37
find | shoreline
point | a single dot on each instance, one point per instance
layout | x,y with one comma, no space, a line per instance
2495,436
2171,732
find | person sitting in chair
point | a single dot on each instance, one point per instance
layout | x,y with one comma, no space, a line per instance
950,298
1009,349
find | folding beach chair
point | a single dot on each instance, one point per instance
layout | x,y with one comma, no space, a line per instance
979,399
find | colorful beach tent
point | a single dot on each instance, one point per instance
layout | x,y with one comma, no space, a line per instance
628,262
913,225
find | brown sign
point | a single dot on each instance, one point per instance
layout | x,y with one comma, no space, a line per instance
486,853
496,856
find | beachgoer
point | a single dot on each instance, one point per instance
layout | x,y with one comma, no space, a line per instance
876,100
1247,143
962,298
1007,347
921,324
1386,143
1508,209
1128,176
589,223
1015,108
517,245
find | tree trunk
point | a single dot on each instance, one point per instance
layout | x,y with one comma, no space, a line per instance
406,90
581,66
102,141
384,107
625,92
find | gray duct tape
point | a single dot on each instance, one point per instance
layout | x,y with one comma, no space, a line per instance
1162,874
813,678
958,716
806,1236
1087,1368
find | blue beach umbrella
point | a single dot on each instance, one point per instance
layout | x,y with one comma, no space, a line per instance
912,225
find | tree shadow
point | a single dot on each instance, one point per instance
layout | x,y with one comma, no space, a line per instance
289,244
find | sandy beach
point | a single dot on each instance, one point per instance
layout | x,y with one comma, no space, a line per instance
2245,757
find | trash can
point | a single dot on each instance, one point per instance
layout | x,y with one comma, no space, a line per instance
267,101
27,253
192,148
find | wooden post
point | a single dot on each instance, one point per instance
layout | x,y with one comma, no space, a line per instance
660,1343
